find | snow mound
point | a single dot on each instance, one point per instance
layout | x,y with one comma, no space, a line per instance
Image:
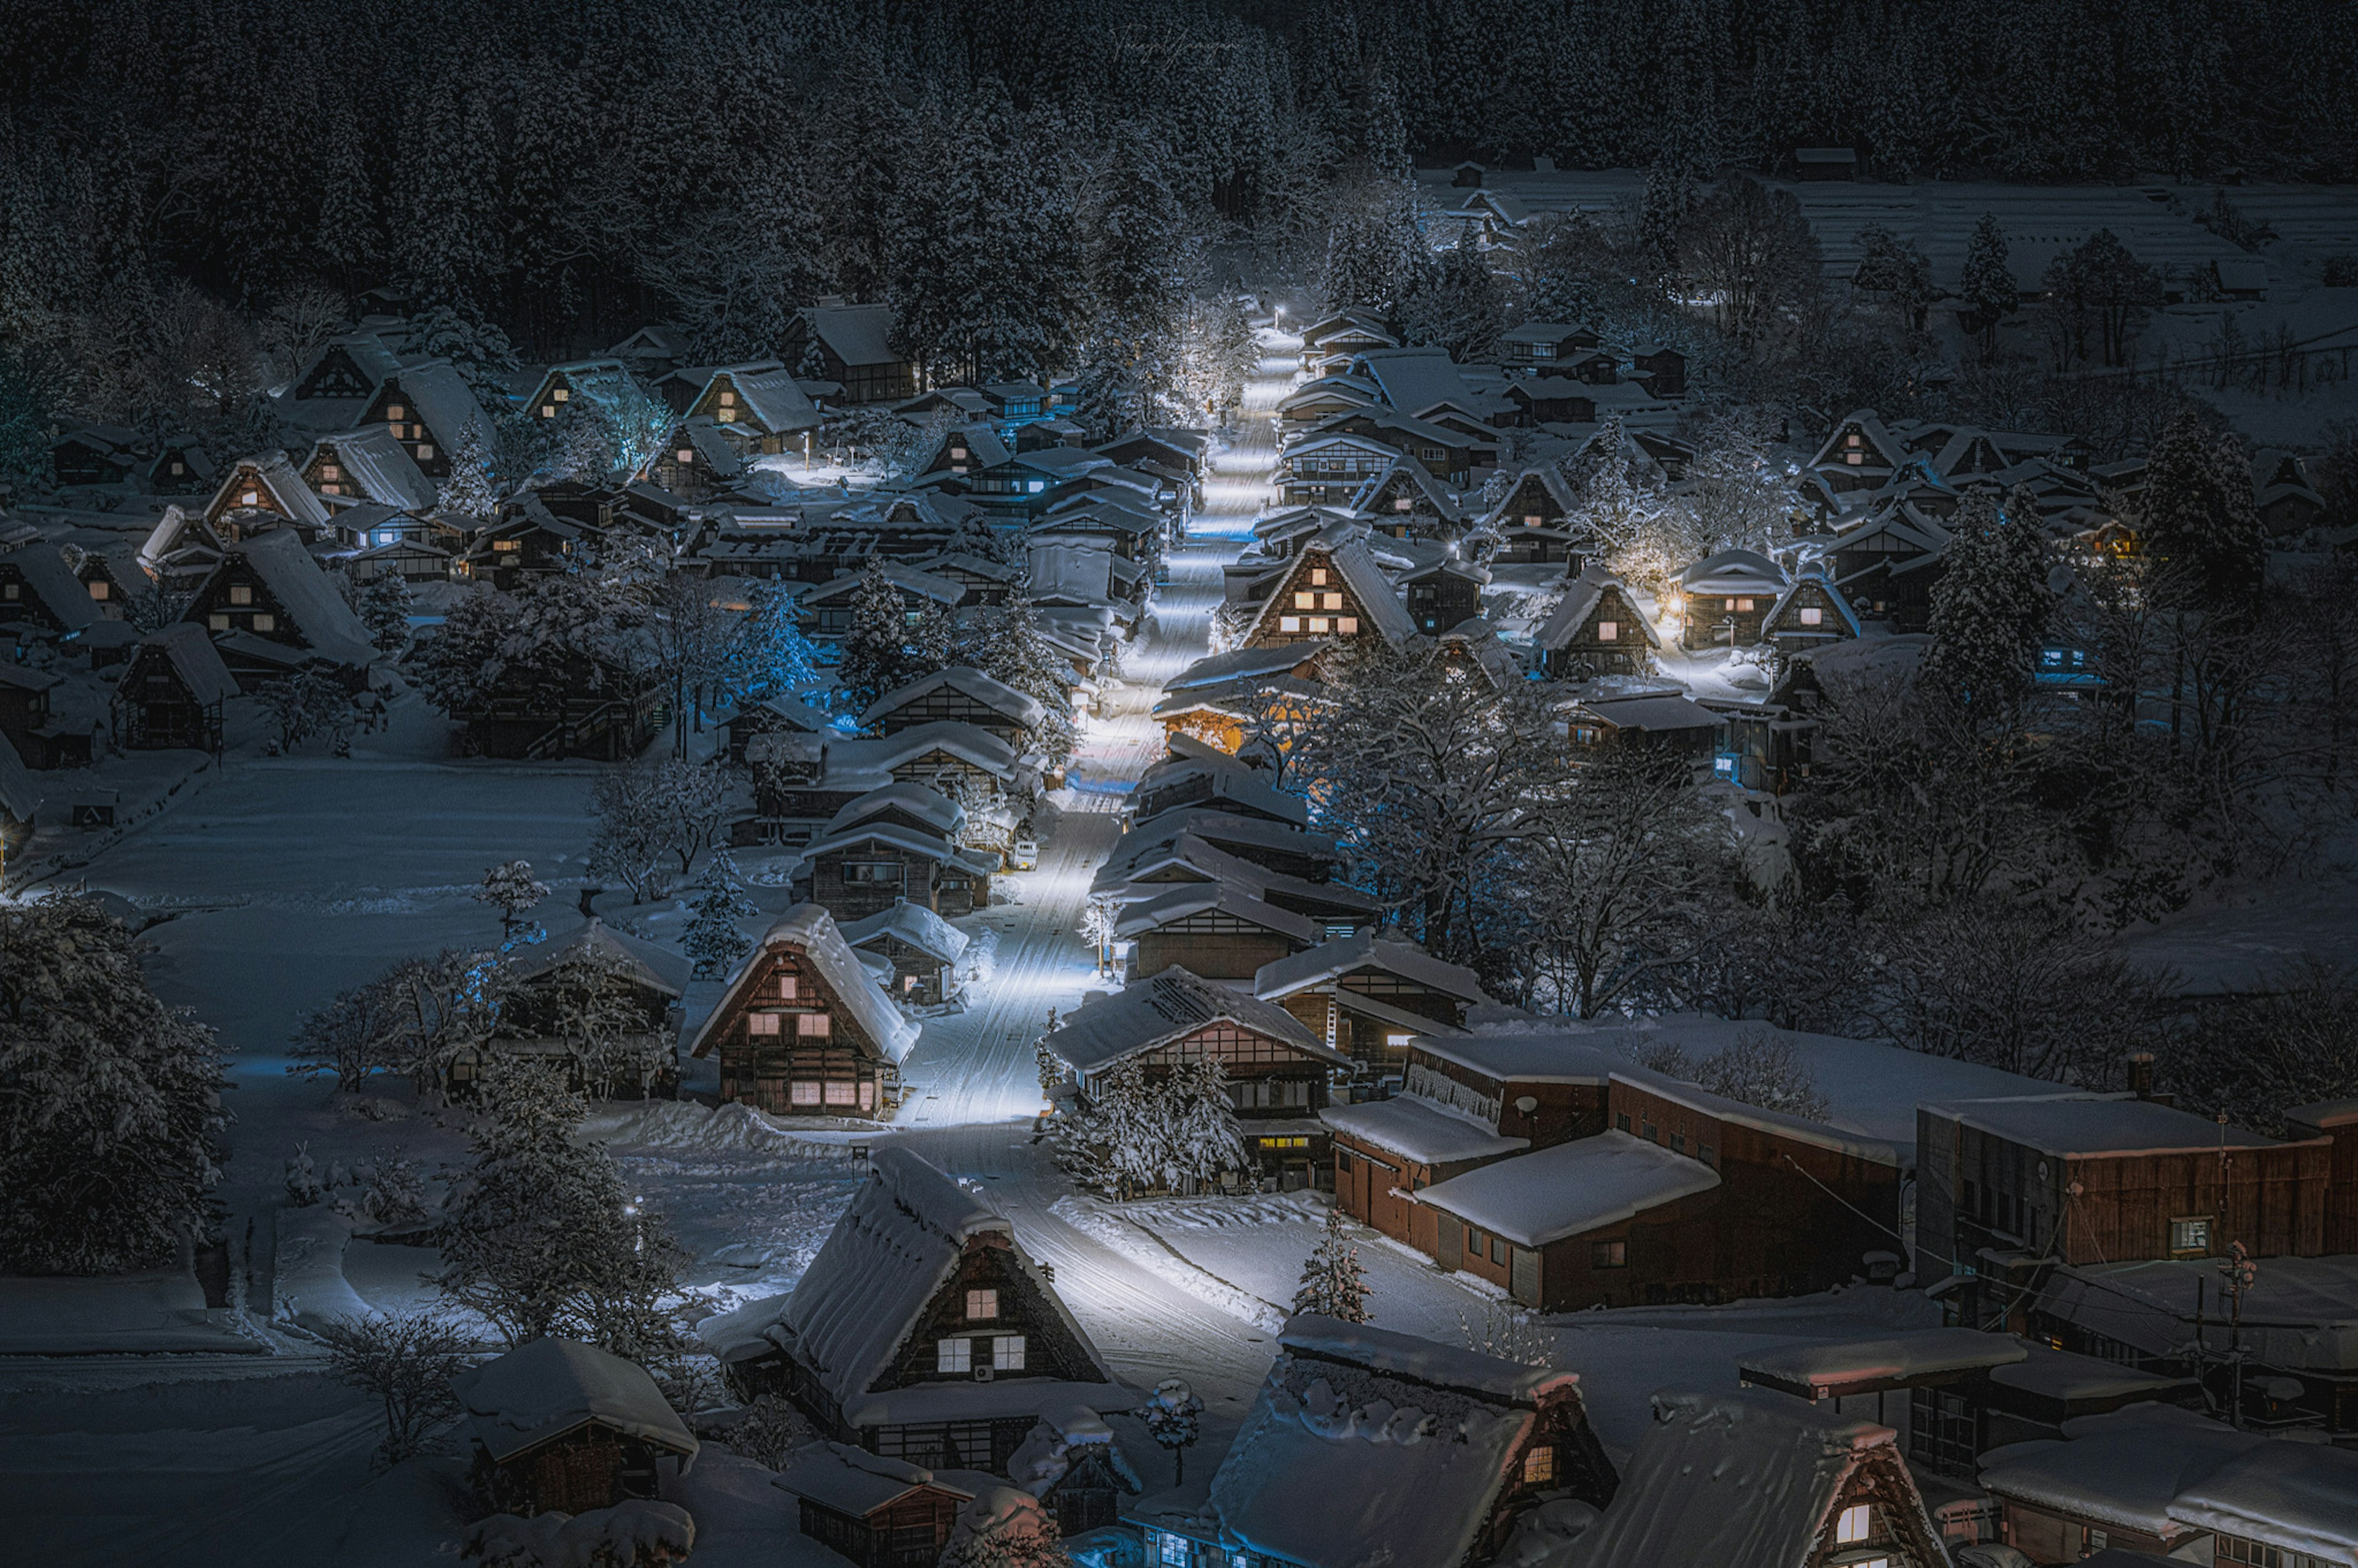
735,1127
308,1281
628,1534
1116,1234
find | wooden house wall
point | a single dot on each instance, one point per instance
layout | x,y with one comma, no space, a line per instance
593,1466
1214,946
2272,1200
1587,654
1709,616
427,448
1443,599
156,711
336,375
215,605
947,702
849,901
1247,1056
1330,606
989,1263
917,975
908,1532
761,1070
1811,594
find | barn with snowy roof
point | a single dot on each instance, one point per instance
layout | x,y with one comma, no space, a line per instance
560,1425
803,1028
1756,1480
1365,1446
921,1331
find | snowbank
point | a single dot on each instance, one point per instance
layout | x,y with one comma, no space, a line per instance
1116,1234
158,1314
734,1127
307,1283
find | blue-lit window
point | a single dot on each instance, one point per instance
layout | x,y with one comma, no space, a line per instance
1037,485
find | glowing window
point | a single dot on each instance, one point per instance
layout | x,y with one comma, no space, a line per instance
98,590
549,410
1007,1352
954,1356
1852,1526
265,622
561,395
241,594
1318,577
688,454
1036,486
426,451
1349,625
805,1093
329,470
981,1306
1289,622
1330,601
786,987
811,1025
728,398
1812,616
1305,601
842,1094
1609,631
217,622
1318,623
395,411
249,498
761,1023
1539,1466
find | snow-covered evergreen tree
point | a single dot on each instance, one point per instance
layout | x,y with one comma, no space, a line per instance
1005,1527
1333,1283
713,941
110,1100
1134,258
511,888
543,1239
1456,305
1987,287
769,655
384,604
1012,650
2197,523
1991,606
1050,1068
470,492
876,645
1373,249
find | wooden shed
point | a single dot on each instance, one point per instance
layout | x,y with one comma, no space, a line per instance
880,1512
566,1427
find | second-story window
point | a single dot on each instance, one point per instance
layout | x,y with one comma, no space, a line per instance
981,1306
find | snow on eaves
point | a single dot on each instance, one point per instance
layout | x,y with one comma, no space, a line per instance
1808,1368
1419,1130
912,923
2124,1470
1421,1360
2296,1497
927,805
321,617
1163,1008
1185,898
811,931
2092,1125
1745,1479
651,965
1328,960
996,696
852,1480
546,1387
1554,1192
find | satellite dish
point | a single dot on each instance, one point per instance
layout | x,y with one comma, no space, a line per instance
1526,1104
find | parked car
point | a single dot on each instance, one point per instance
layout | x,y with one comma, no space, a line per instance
1024,856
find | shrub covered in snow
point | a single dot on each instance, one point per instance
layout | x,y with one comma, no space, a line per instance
1332,1284
1004,1527
1173,1416
635,1534
404,1361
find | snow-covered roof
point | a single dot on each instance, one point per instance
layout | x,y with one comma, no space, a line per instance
2124,1469
769,391
1651,713
1245,663
967,742
2311,1318
19,796
1563,1190
644,961
2095,1125
46,573
992,693
546,1387
811,931
1197,898
1734,572
857,334
894,1248
1812,576
1222,827
197,661
796,713
1283,977
1414,1360
1740,1479
2065,1375
852,1480
929,846
1221,785
2297,1497
915,924
1528,1059
270,473
444,404
1351,1465
1824,1134
927,803
1814,1368
380,466
1412,378
1420,1130
320,616
1579,602
1357,563
1161,1008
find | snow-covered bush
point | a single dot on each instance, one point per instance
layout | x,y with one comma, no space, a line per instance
1139,1135
511,888
303,1185
769,1431
416,1018
1004,1528
1173,1418
650,813
406,1361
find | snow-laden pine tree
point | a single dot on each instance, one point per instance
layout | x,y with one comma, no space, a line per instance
1987,287
714,941
876,645
1457,305
1012,649
470,492
1174,1415
542,1238
1991,606
1202,1138
384,604
2196,522
768,655
110,1100
1333,1283
1135,260
1372,249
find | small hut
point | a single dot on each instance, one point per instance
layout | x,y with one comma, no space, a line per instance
560,1425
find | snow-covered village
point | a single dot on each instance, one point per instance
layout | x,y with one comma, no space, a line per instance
1126,783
